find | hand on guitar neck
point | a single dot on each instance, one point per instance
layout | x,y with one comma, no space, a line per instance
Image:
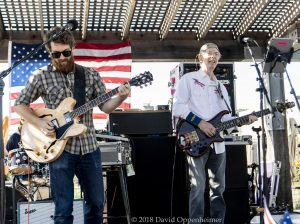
210,130
252,119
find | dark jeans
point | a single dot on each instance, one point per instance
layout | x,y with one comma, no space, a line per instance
89,172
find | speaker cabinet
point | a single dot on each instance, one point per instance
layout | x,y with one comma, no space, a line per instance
236,193
153,161
10,210
140,122
150,190
236,167
43,211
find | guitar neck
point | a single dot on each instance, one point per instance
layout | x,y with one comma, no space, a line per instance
93,103
241,120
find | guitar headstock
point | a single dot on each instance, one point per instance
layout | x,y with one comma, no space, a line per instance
283,106
141,79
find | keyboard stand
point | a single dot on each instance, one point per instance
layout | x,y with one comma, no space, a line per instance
121,168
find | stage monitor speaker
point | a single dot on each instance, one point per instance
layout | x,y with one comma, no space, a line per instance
42,212
140,122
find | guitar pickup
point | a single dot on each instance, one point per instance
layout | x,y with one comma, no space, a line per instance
67,117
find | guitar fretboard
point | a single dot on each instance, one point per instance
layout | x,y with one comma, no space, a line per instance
241,120
93,103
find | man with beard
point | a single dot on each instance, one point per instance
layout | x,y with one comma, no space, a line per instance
198,98
81,156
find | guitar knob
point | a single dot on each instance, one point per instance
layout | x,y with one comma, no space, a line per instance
52,150
44,147
38,153
45,157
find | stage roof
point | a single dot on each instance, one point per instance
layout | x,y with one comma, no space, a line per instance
157,29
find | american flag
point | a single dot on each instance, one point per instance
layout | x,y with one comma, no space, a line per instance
268,219
22,72
113,61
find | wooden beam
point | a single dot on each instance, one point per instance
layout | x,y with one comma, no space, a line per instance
252,13
281,25
178,46
168,18
211,15
128,17
85,19
41,19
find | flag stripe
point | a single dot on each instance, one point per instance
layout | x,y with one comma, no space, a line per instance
121,68
116,46
268,219
101,59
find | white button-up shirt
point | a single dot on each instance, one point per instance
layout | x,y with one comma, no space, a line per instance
198,94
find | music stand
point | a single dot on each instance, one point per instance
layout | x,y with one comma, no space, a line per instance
279,53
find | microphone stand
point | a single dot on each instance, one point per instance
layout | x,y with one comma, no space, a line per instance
2,85
292,89
263,92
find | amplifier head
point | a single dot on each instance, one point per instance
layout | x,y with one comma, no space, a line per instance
140,122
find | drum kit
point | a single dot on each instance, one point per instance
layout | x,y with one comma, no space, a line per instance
27,174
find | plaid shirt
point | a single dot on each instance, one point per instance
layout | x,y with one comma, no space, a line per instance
53,87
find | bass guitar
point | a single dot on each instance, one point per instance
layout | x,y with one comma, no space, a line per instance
196,143
44,149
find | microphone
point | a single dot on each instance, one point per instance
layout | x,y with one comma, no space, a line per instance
245,40
71,25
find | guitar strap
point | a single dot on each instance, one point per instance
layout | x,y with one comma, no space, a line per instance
79,86
219,90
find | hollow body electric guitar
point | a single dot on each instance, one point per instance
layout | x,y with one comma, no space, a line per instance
44,149
196,143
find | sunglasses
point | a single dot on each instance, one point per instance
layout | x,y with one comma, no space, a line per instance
64,53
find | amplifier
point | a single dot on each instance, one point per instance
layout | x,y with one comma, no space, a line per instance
43,211
152,122
115,153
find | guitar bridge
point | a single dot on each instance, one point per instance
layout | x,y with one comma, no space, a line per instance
192,136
